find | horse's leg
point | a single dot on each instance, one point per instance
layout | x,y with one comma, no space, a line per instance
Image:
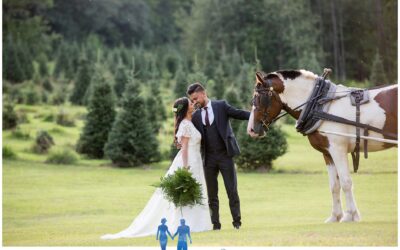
339,156
334,185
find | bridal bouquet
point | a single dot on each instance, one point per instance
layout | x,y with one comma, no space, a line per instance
181,188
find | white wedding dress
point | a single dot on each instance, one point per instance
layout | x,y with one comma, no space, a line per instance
196,217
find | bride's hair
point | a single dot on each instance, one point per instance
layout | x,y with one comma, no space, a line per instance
181,107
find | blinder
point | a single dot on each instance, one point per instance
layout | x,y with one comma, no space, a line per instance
263,98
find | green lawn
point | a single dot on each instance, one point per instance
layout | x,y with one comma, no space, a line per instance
53,205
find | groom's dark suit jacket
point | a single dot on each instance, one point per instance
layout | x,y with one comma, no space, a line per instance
222,112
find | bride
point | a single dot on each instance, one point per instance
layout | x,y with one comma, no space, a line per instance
197,217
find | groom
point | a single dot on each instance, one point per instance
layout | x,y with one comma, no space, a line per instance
218,147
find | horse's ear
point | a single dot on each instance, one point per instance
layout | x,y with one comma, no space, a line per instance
259,78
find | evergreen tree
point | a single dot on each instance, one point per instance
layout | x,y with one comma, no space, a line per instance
47,85
155,107
258,154
82,83
197,74
32,95
11,62
181,83
62,61
232,97
131,141
121,78
245,82
72,62
220,82
25,60
100,117
378,76
10,118
42,61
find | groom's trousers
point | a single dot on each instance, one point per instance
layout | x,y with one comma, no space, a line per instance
215,163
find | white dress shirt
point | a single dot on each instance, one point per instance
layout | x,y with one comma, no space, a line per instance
210,113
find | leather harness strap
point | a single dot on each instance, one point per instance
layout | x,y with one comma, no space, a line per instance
334,118
357,94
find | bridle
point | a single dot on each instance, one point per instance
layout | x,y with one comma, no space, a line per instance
265,92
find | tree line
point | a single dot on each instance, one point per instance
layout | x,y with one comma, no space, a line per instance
57,51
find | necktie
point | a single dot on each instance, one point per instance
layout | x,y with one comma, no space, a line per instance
207,120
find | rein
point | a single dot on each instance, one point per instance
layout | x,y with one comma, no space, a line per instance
270,91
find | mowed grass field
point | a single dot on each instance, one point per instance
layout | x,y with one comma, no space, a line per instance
73,205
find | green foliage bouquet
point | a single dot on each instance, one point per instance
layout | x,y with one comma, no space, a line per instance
181,188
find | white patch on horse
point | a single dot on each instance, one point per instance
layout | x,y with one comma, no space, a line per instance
301,84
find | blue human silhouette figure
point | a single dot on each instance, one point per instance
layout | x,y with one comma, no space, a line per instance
162,232
184,232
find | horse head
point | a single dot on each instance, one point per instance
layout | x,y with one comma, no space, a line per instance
266,103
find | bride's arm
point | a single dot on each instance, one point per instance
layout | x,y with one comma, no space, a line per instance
185,151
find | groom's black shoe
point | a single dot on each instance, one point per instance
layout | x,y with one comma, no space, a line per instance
236,225
216,226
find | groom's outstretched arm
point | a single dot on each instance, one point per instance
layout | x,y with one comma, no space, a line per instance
236,113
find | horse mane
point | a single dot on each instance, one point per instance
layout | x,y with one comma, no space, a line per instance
289,74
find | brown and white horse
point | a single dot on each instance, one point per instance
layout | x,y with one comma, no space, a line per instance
291,88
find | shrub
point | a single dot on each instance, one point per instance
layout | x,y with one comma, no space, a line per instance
32,96
43,142
16,94
65,157
22,117
59,97
47,85
258,153
45,97
10,117
64,119
48,118
8,153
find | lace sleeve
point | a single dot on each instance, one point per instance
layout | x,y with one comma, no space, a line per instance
184,130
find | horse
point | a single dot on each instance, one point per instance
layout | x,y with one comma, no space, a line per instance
290,90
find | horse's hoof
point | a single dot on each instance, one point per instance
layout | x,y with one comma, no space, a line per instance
334,218
351,216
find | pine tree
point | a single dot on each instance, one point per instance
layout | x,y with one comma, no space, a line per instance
26,61
62,61
121,78
378,76
100,117
12,64
197,74
131,141
71,65
232,97
82,83
220,81
180,83
258,154
245,82
47,85
155,107
10,118
42,61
